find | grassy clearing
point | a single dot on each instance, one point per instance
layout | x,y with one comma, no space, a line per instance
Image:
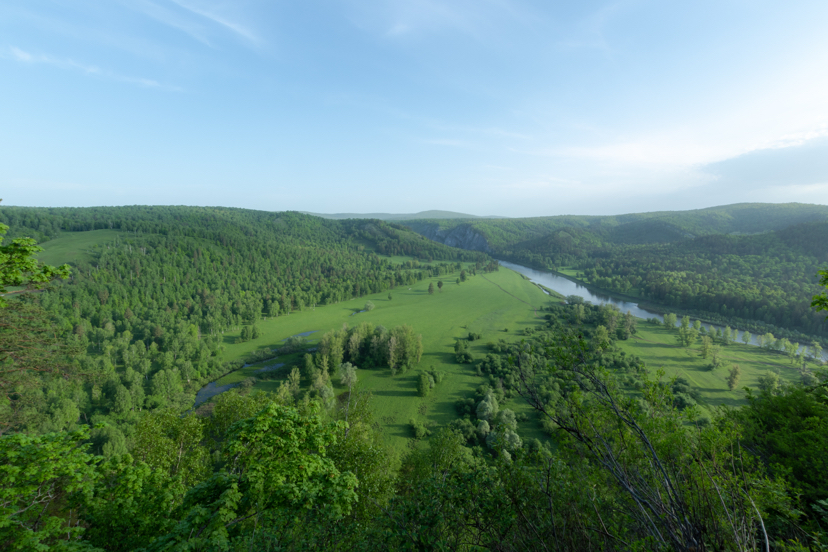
485,304
658,347
74,247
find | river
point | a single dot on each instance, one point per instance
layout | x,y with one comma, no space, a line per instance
565,287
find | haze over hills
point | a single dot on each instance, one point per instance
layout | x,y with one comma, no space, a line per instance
631,228
433,214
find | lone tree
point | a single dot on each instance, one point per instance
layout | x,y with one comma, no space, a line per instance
347,374
431,288
440,285
733,377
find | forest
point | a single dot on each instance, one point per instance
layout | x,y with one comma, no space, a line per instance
101,449
749,265
144,315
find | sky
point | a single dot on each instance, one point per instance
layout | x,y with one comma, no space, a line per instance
489,107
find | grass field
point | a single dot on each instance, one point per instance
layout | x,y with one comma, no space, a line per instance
485,304
658,347
72,247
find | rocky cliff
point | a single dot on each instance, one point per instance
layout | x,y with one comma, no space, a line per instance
463,236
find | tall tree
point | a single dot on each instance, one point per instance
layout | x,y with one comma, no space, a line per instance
733,377
29,346
19,267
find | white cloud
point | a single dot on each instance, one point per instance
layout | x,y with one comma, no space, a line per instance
219,19
66,63
170,18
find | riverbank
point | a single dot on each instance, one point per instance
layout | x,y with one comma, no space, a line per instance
566,285
756,327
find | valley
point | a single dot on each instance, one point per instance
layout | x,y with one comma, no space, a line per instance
178,323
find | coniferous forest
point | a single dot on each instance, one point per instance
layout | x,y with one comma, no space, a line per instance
101,447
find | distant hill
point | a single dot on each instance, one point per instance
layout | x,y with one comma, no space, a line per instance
748,265
634,228
434,214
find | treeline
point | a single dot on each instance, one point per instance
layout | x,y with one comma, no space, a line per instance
768,278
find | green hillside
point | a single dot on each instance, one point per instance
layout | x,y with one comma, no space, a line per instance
657,226
433,214
76,247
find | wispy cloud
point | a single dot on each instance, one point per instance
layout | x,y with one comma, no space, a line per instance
448,142
469,17
69,64
218,19
169,17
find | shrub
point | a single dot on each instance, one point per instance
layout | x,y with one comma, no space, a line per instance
425,384
260,354
292,344
419,429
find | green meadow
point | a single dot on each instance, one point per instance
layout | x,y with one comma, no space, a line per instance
658,346
73,247
487,304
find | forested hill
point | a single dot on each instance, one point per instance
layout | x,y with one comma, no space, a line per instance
633,228
153,289
752,265
434,214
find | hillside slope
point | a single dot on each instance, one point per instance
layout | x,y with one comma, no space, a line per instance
154,289
433,214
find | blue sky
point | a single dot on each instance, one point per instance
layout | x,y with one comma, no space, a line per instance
515,108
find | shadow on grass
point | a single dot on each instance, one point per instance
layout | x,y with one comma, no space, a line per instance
399,430
724,401
394,393
649,345
441,357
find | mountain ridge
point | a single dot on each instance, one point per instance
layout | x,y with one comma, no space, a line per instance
431,214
